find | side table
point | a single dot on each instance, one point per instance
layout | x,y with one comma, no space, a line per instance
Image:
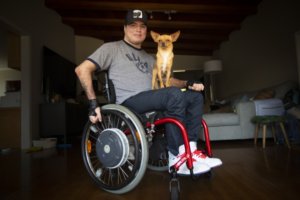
269,120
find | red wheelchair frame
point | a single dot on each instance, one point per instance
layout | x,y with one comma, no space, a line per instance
188,154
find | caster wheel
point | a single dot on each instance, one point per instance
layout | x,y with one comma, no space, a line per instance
174,189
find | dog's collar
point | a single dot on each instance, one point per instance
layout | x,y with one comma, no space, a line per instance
132,46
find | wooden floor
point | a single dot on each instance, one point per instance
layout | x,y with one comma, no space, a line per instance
247,172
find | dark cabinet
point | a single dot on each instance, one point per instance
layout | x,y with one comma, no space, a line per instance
10,127
62,119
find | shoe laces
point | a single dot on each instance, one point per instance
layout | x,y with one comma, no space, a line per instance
181,155
199,154
196,153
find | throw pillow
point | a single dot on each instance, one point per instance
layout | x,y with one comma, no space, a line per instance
264,94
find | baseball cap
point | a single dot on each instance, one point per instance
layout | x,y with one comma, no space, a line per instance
134,15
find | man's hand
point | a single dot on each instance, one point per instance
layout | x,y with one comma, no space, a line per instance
94,111
194,85
97,117
197,87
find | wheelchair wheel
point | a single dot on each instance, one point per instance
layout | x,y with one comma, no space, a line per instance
115,151
158,154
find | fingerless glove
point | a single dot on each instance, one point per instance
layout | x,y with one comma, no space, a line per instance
93,105
189,83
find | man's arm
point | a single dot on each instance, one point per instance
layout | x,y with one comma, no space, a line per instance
84,72
177,83
183,83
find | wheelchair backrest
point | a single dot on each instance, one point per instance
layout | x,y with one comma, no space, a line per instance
108,88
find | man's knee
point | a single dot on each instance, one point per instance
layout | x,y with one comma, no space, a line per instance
176,99
194,97
198,97
176,94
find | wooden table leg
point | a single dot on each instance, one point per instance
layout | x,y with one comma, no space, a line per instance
256,133
273,132
285,135
264,135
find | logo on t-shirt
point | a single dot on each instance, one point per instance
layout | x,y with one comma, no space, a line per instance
142,66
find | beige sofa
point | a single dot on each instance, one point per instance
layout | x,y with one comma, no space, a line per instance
237,124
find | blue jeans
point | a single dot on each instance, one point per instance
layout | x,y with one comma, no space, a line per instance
186,107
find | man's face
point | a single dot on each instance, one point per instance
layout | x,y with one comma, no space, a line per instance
135,33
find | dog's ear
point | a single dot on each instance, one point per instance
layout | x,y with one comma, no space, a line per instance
175,36
154,36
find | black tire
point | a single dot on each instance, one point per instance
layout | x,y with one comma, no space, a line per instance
120,123
158,154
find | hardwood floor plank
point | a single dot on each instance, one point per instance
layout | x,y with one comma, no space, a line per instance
248,172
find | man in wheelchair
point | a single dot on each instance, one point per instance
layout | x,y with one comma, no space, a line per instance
130,69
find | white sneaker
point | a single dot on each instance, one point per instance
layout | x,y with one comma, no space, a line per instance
198,167
200,157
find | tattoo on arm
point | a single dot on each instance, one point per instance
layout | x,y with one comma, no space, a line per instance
88,88
84,72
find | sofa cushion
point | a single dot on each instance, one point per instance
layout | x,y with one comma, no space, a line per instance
269,107
221,119
283,88
264,94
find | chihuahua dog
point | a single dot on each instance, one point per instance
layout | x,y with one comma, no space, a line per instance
164,58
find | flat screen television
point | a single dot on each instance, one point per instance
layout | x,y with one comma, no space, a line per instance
59,77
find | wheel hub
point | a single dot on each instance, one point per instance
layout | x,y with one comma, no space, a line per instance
112,148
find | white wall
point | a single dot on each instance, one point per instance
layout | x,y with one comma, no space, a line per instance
182,62
38,26
263,52
85,46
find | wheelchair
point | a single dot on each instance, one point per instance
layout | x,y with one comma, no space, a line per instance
117,151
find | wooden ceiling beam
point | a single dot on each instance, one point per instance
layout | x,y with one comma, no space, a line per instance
182,45
152,23
185,35
204,24
198,52
179,46
204,8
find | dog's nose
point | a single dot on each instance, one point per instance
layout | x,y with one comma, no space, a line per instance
163,44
